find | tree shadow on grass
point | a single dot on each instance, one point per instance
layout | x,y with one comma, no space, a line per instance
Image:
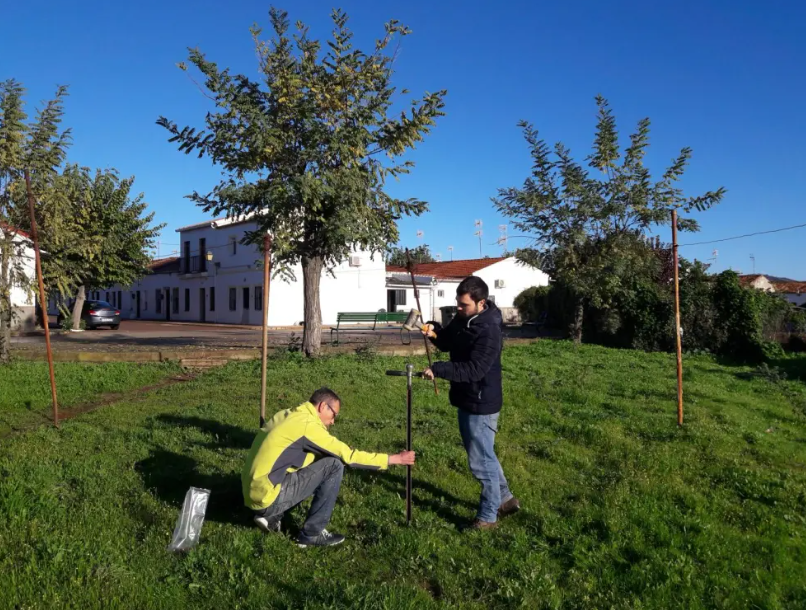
169,475
225,435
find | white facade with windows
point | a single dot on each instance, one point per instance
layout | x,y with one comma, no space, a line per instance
228,288
437,283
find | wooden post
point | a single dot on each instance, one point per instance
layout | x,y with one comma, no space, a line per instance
410,267
677,323
264,354
42,302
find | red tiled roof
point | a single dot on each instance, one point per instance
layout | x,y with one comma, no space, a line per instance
160,264
790,287
12,229
449,269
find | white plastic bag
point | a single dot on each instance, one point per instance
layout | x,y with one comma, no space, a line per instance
189,524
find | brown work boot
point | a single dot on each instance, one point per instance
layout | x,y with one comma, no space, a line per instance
510,507
478,524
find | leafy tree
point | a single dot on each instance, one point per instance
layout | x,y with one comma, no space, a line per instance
301,148
420,254
96,233
585,218
40,147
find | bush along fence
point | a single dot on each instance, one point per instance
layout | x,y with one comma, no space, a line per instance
718,315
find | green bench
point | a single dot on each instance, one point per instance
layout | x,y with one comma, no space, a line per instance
366,318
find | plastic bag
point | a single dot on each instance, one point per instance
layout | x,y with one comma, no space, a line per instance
189,524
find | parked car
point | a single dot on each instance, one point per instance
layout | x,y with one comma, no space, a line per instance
97,313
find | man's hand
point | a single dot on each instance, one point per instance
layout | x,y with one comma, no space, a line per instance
428,374
428,331
404,458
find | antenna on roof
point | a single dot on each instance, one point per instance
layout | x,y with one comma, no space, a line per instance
450,249
479,233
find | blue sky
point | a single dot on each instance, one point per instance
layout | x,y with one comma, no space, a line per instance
723,77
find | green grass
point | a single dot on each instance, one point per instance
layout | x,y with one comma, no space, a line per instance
25,398
621,508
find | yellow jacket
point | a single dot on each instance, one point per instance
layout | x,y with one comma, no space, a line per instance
291,440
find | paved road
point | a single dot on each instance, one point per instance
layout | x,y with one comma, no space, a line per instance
150,335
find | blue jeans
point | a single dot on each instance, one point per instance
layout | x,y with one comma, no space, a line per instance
478,437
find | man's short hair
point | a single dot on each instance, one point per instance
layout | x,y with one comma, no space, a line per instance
324,395
475,287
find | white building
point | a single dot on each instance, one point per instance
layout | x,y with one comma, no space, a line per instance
218,279
793,291
23,301
437,283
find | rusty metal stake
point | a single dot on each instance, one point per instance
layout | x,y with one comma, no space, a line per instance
410,267
42,302
677,323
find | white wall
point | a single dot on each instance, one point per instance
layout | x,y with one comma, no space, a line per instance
23,301
517,278
354,288
797,299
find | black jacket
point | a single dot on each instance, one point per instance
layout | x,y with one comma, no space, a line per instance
475,367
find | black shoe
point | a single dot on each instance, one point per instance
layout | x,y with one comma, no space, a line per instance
267,525
325,538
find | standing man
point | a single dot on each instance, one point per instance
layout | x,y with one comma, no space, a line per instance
294,457
474,340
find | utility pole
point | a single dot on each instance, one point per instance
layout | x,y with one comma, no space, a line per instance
677,328
753,259
450,249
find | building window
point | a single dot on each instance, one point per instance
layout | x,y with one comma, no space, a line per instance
212,299
246,297
175,300
400,297
131,302
186,256
107,297
441,293
258,298
187,299
120,299
233,299
491,298
158,299
233,245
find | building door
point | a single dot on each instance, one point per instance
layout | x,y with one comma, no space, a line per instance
202,306
137,303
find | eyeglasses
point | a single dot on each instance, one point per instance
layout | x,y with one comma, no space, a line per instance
335,415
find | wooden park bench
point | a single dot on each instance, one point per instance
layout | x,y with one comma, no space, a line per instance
364,319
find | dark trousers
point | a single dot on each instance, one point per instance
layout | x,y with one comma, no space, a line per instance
322,480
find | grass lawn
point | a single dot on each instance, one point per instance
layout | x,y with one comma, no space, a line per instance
25,398
621,508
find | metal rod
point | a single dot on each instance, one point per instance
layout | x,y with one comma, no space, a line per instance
409,372
410,267
677,323
265,347
42,302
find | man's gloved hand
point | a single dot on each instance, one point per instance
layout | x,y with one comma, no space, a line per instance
428,331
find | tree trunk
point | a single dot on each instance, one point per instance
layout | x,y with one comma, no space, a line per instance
78,306
312,334
576,326
5,302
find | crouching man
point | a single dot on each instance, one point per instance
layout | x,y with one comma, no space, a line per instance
294,457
